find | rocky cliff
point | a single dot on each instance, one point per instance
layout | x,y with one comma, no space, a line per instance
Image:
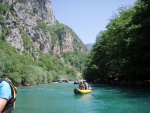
21,21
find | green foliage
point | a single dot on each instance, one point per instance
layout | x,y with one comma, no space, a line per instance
75,59
4,8
3,30
42,25
4,33
35,74
21,69
1,20
122,51
47,62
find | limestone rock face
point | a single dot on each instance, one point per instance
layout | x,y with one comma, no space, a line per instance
27,14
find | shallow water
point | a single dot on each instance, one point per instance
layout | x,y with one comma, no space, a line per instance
59,98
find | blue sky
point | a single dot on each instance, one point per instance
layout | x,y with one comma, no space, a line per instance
87,17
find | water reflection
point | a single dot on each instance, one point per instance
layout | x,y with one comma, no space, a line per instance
83,96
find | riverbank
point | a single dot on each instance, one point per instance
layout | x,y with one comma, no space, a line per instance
144,83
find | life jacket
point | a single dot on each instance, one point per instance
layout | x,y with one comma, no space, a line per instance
11,102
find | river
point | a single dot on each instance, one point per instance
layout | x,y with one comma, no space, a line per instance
59,98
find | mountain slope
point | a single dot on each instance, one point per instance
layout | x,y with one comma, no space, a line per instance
26,18
38,43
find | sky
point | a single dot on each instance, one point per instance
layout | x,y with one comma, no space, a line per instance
87,17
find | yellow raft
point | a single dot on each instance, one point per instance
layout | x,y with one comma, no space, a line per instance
79,91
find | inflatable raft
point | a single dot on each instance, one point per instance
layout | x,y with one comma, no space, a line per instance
79,91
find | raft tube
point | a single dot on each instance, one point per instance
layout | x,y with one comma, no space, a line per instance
79,91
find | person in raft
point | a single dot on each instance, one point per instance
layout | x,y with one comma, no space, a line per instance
81,85
85,84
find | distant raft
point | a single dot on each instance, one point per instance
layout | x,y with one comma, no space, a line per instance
76,82
79,91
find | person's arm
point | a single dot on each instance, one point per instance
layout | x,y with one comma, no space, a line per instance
2,104
87,86
84,86
5,94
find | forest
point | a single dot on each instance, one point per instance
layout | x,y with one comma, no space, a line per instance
121,54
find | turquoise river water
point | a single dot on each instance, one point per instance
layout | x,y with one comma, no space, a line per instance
59,98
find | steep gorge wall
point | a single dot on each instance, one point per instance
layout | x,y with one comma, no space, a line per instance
27,14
